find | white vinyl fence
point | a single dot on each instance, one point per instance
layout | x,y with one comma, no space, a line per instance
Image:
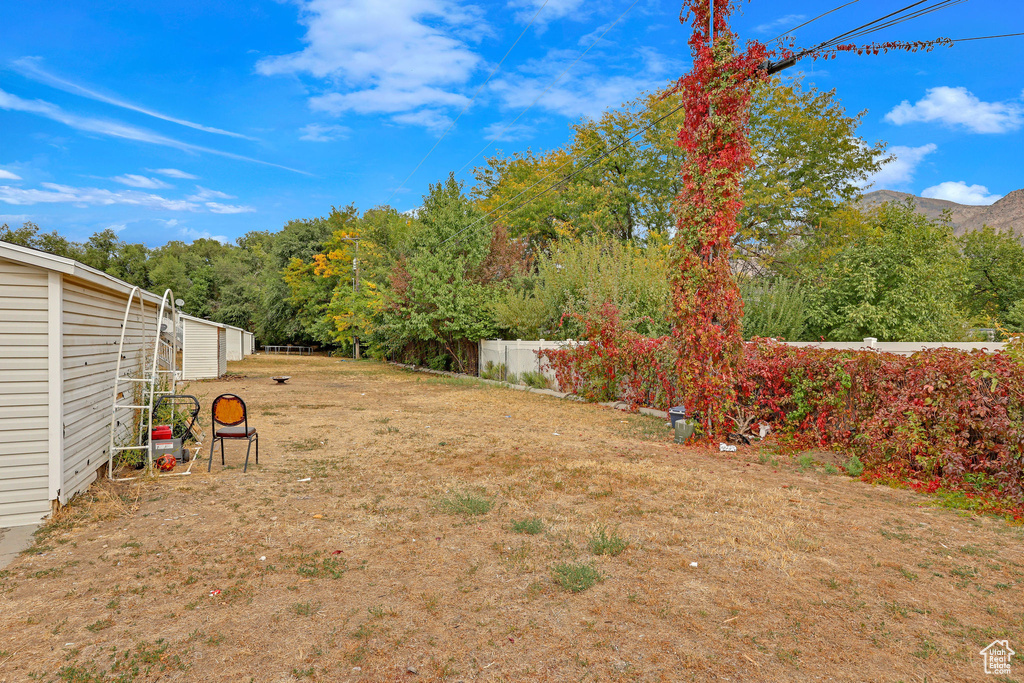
902,348
520,355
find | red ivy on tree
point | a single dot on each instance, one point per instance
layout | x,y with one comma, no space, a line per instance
707,308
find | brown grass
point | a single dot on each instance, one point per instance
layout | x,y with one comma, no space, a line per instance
383,562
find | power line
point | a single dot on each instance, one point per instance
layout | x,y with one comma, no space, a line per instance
835,9
880,24
1005,35
471,101
550,86
883,22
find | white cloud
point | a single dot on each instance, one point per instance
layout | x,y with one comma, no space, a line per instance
385,101
173,173
193,234
959,107
318,132
117,227
29,67
786,21
384,57
901,167
588,92
962,193
431,119
214,207
550,11
204,194
503,132
89,196
114,129
7,175
132,180
12,218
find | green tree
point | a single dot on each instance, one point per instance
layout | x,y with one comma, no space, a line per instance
439,303
902,281
773,308
995,277
575,278
809,162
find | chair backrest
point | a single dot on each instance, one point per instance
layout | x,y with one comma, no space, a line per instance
229,410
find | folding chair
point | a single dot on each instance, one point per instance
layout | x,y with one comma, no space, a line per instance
229,410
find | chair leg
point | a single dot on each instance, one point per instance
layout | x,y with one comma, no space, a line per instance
248,448
209,466
257,449
222,452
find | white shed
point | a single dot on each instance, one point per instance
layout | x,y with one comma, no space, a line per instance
60,326
236,341
203,348
248,343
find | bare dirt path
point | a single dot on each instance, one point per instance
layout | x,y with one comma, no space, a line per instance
385,536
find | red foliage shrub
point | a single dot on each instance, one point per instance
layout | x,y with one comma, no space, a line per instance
939,419
939,414
616,364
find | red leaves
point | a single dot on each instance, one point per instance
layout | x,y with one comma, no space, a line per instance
707,308
934,414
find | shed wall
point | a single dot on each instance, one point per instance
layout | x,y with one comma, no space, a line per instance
199,356
222,351
235,344
91,334
24,397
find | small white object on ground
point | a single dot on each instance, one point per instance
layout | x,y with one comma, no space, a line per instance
693,564
306,479
763,431
555,434
263,558
726,448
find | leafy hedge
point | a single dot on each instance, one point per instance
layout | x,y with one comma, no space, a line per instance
939,419
939,414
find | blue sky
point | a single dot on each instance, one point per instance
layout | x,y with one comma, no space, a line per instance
175,120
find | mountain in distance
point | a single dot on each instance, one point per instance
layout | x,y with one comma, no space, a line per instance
1006,215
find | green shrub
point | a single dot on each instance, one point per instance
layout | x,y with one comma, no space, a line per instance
467,504
854,467
492,371
537,380
575,577
604,542
532,526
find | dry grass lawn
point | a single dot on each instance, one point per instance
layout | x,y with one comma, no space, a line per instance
406,527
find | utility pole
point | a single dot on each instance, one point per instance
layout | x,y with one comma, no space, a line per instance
355,290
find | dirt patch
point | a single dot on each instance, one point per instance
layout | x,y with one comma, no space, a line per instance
400,522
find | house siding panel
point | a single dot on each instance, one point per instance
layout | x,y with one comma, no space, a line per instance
24,386
92,332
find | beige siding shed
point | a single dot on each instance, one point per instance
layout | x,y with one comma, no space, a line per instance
204,348
24,394
248,343
60,324
236,341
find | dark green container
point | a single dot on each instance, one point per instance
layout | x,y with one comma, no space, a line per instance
684,430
